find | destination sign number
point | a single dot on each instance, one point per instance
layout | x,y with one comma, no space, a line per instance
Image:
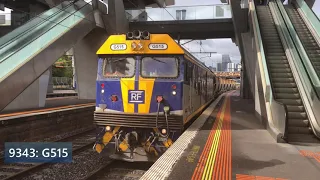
159,46
118,47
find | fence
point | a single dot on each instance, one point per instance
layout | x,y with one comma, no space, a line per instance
62,83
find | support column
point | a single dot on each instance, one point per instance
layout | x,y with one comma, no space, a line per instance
245,85
86,63
113,16
34,96
50,81
240,19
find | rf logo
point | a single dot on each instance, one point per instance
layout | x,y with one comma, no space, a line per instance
136,97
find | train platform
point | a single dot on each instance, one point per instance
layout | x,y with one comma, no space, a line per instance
59,103
228,142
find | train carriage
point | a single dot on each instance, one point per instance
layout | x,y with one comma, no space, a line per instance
148,89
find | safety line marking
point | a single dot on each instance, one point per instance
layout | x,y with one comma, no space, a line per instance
251,177
217,150
315,155
223,168
46,109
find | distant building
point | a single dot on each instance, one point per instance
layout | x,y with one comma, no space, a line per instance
219,66
238,67
225,61
231,67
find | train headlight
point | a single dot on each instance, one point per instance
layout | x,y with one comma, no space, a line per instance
108,128
163,131
166,108
102,90
133,45
174,93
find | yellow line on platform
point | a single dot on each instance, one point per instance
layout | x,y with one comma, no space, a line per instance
207,174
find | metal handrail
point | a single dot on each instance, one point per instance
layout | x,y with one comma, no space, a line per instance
262,62
312,74
43,20
10,54
300,58
266,82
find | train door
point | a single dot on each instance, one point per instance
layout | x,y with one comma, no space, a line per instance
206,86
191,90
188,88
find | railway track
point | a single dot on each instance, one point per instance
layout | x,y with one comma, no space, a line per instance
80,142
118,170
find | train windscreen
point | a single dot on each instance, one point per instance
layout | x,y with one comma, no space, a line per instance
119,67
159,67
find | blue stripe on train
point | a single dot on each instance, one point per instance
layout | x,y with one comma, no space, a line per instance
111,87
164,88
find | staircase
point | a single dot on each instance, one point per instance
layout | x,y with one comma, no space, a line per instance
284,86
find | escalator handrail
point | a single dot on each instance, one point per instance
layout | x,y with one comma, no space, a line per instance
312,74
308,12
262,63
286,120
43,20
264,67
9,55
299,64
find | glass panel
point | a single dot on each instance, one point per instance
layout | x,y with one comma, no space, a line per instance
26,41
180,13
159,67
119,67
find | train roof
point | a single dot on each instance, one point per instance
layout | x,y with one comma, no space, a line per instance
154,44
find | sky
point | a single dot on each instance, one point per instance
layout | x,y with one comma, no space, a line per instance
221,46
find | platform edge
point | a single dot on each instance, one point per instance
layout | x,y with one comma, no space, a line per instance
46,112
162,168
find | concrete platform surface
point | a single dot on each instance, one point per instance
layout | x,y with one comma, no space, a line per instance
232,144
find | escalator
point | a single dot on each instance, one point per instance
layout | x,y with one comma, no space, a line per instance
283,84
308,41
28,51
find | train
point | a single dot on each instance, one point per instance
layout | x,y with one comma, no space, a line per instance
148,90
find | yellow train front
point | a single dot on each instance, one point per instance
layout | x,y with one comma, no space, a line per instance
148,89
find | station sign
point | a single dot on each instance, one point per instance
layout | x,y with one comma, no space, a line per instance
158,46
118,47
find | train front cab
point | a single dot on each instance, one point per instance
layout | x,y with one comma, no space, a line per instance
139,108
136,102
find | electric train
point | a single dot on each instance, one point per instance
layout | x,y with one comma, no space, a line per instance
148,90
